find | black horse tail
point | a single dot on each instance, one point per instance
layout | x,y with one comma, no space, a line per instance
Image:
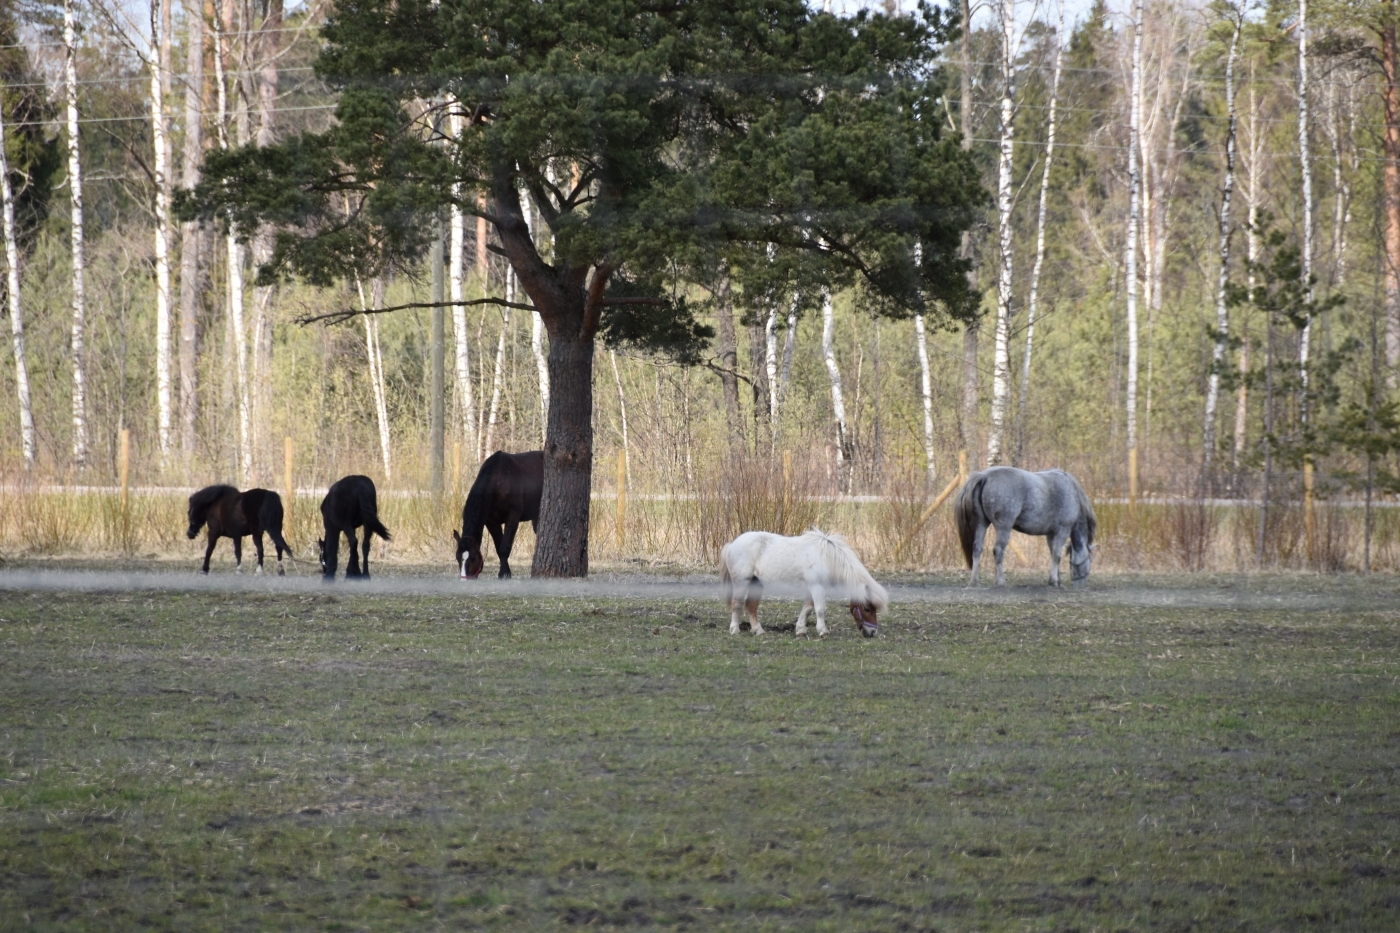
965,512
270,517
369,511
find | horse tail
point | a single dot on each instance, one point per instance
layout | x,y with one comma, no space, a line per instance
726,581
369,511
965,513
270,517
1086,513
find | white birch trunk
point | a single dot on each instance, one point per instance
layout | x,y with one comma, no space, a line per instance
498,376
160,70
1130,249
537,335
622,416
1222,315
7,214
456,277
191,234
1305,160
926,391
1001,356
234,271
75,195
1252,252
833,372
376,374
1033,298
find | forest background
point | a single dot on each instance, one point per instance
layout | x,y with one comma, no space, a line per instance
1190,267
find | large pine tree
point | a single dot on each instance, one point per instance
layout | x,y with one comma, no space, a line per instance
658,142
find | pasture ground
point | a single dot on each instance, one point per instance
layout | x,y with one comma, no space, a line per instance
1155,753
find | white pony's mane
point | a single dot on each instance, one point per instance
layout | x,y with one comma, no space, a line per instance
844,568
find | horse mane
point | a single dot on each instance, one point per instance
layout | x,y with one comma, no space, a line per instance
473,512
201,501
844,567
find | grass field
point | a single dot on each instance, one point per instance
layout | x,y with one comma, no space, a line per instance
1155,753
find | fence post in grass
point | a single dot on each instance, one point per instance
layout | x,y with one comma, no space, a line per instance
787,488
1309,523
962,466
125,467
287,475
621,499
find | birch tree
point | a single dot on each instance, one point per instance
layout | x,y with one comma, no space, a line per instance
75,234
1130,248
1305,163
1254,195
267,41
376,372
1222,315
191,232
456,261
234,265
7,217
1001,358
160,133
1033,296
844,452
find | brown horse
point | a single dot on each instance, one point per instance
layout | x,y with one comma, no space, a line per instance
506,493
231,514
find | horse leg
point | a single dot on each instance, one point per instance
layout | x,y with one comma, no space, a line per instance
498,538
352,565
364,550
737,598
1056,540
999,551
237,554
258,546
978,536
751,598
802,617
209,550
818,601
508,540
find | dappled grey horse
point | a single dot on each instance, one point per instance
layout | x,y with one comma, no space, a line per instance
1051,503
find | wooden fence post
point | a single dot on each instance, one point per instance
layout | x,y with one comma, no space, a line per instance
287,461
1309,521
126,489
962,466
456,469
621,499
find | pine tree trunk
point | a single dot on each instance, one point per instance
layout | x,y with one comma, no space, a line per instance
1033,298
192,232
1001,356
1222,314
562,550
7,215
160,86
75,196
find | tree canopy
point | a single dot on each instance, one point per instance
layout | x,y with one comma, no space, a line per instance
660,143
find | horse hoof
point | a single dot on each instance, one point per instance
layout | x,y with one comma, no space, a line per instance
238,569
258,572
281,571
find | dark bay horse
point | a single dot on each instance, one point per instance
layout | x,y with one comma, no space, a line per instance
350,504
231,514
1051,503
506,492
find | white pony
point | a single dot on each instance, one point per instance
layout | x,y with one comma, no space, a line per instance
814,565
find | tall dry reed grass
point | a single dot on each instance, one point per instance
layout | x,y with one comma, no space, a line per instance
684,526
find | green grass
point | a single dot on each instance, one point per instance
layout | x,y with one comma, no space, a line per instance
1030,761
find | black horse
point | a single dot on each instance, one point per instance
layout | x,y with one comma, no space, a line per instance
506,493
231,514
350,503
